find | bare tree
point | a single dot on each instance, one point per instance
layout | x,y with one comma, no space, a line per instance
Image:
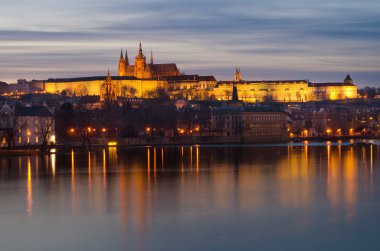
45,130
128,91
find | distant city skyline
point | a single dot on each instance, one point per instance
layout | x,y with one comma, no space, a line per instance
320,41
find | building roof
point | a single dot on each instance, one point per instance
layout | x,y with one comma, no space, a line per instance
329,84
348,78
263,81
33,111
207,78
248,109
84,79
164,68
189,78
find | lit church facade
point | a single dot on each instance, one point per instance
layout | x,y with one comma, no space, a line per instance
143,77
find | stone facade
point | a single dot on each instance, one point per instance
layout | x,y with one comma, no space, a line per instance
286,90
251,123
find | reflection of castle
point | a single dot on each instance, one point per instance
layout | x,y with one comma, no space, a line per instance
143,70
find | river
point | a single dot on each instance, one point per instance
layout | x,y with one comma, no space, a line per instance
296,196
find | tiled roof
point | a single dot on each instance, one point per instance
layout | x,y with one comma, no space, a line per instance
163,68
33,111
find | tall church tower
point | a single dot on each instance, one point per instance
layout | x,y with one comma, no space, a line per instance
237,76
140,64
121,71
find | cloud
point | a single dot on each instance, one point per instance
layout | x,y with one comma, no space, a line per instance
267,39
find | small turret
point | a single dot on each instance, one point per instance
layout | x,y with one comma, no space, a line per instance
348,80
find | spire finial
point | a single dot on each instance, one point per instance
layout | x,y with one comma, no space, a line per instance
121,54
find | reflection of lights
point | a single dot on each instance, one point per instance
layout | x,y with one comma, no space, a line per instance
29,187
112,143
104,168
52,158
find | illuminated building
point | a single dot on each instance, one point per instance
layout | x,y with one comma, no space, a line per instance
29,125
251,123
143,77
285,90
142,69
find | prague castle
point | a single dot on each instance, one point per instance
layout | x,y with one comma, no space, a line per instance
142,77
143,70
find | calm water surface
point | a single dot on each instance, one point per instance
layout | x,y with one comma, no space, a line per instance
301,196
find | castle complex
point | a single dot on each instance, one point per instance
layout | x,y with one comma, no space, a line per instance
141,78
143,70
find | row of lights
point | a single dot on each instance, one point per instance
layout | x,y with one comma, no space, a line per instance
329,131
88,129
180,130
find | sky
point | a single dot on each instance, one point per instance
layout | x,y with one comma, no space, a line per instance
267,39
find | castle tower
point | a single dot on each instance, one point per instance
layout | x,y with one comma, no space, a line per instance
121,71
140,63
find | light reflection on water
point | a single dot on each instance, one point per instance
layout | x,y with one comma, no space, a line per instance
290,197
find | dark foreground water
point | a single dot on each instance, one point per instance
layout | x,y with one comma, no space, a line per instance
302,196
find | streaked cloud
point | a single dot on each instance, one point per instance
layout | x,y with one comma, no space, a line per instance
317,40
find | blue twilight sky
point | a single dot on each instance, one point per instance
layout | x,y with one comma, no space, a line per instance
268,39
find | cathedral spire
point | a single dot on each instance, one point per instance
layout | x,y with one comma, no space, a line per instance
140,49
121,54
151,57
237,76
121,71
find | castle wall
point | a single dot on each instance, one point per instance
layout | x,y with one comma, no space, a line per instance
262,91
93,87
